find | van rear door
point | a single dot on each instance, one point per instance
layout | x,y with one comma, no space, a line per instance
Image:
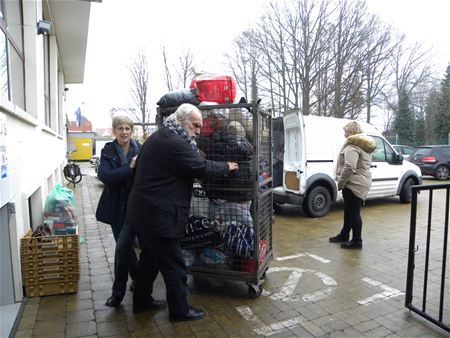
294,158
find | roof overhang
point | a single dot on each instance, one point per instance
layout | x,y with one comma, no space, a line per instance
70,25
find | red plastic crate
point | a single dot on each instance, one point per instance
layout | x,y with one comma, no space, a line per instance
215,88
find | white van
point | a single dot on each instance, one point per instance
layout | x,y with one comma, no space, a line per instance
306,149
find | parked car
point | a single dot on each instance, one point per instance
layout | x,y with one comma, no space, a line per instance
433,160
406,151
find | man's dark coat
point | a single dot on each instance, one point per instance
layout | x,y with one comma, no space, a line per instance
159,201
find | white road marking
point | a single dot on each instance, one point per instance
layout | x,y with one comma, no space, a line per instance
388,293
286,291
285,258
266,330
318,258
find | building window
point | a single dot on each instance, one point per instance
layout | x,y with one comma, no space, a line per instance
12,76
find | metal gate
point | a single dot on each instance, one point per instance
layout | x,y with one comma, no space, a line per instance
427,257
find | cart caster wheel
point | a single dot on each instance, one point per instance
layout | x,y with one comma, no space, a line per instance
254,291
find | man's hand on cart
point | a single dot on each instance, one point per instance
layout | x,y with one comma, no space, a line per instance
232,166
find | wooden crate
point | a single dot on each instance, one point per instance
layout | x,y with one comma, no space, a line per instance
61,243
31,264
50,270
54,277
50,264
48,289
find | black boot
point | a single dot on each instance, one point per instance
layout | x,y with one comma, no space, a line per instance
113,301
147,304
352,245
338,239
192,314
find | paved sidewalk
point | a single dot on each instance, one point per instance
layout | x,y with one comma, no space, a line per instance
313,289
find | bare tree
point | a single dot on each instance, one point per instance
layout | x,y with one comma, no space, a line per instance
311,46
167,71
378,49
270,38
184,69
410,68
327,58
244,66
350,33
139,72
289,42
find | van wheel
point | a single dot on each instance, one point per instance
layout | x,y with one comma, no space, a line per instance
317,202
406,192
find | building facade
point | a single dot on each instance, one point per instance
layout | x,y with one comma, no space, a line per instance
42,48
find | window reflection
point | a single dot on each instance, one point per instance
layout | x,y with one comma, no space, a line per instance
3,68
14,19
12,78
17,80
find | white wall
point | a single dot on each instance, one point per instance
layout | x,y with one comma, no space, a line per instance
35,151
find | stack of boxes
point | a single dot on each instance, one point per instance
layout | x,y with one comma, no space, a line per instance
50,264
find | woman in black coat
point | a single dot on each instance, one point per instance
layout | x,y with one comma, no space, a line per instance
159,206
116,171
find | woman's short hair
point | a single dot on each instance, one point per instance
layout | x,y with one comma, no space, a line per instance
122,119
353,128
181,115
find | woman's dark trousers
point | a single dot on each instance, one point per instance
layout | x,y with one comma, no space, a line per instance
125,259
164,255
352,216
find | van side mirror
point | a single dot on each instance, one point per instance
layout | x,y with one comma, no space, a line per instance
398,158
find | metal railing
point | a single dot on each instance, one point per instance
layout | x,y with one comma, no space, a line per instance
429,265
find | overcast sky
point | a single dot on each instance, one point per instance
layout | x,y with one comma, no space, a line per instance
207,27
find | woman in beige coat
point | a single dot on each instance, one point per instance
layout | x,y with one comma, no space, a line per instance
354,178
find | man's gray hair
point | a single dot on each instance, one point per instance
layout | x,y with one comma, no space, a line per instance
181,115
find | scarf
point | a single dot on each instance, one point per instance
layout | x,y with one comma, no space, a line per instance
132,151
180,131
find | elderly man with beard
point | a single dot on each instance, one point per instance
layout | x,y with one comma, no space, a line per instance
158,208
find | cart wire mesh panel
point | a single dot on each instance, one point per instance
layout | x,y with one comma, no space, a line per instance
229,232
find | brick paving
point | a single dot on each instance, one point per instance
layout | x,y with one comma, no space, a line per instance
319,291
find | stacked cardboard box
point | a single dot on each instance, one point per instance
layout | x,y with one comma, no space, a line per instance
50,264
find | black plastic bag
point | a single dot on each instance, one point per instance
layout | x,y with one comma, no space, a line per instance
177,97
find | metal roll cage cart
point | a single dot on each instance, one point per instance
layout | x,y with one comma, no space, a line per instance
229,233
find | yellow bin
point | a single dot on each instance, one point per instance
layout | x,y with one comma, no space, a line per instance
82,147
